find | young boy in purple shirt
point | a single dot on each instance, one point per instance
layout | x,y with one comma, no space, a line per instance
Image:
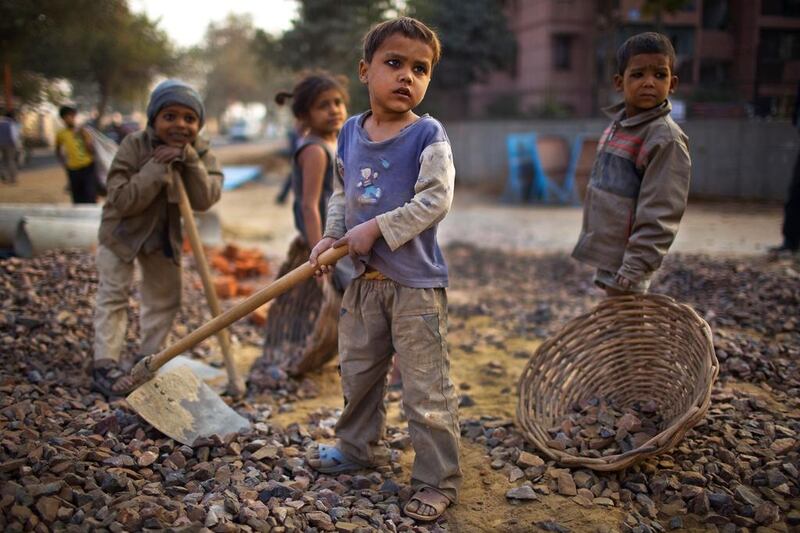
395,184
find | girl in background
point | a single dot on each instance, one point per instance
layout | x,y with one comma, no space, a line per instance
301,330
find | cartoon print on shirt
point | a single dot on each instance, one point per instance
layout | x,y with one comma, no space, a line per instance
372,192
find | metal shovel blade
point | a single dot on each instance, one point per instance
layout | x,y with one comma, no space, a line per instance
184,408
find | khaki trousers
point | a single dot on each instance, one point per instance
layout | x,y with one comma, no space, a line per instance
161,299
379,318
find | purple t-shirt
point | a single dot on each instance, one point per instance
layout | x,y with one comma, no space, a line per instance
379,177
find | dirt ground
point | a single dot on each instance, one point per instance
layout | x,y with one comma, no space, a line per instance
250,216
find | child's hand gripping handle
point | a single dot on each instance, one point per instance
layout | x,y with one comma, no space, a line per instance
147,367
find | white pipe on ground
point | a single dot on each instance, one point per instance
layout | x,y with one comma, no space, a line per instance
53,227
37,234
11,214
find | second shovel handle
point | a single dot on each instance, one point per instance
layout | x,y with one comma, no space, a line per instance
243,308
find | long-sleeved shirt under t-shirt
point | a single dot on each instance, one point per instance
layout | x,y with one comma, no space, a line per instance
406,183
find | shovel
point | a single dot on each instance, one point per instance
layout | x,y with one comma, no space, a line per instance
177,403
236,387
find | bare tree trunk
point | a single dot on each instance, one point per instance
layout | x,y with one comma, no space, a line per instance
102,104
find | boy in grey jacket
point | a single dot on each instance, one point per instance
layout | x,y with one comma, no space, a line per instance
141,221
639,183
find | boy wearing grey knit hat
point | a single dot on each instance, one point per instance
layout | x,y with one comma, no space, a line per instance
141,222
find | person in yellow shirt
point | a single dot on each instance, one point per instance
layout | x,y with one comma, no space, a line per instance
74,150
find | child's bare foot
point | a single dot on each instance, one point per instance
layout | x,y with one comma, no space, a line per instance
426,505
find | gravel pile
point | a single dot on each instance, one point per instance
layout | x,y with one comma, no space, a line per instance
71,460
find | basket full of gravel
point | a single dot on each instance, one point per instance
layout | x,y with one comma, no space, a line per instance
622,382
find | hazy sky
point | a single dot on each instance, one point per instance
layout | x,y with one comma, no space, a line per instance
185,21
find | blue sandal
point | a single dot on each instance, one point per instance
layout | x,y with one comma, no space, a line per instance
331,460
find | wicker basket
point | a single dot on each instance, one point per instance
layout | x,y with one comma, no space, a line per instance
628,348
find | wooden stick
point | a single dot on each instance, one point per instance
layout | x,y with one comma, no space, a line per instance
236,386
146,368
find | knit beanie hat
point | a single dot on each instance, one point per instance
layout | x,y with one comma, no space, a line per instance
171,92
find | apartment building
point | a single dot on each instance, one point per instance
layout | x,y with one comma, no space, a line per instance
735,57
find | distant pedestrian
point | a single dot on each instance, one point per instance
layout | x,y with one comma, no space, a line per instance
10,147
75,152
791,211
640,180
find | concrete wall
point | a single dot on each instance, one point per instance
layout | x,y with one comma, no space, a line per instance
739,159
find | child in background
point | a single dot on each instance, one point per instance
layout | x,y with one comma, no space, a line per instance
319,103
395,184
639,184
141,221
301,329
76,158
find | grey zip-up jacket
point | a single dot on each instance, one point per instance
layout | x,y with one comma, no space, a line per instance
637,193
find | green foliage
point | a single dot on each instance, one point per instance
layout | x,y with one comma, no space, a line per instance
327,34
230,63
476,40
99,42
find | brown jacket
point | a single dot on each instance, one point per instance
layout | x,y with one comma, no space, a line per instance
140,193
637,193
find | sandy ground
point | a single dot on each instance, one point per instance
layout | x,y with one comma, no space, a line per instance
251,216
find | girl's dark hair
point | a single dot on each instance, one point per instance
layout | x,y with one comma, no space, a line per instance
307,90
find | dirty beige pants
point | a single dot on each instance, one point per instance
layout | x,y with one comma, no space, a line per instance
379,318
161,299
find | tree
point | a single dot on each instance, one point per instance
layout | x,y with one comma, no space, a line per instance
232,72
25,25
327,35
123,55
101,43
476,40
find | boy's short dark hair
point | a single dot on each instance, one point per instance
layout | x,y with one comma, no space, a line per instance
644,43
65,110
407,26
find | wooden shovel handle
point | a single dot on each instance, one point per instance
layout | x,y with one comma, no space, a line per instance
235,384
145,368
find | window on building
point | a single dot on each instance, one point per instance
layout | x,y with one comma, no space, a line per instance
715,72
781,45
780,8
775,48
562,51
715,14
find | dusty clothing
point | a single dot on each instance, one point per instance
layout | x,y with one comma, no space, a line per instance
297,183
76,152
406,184
379,318
141,208
8,163
161,300
606,279
10,145
83,184
637,194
